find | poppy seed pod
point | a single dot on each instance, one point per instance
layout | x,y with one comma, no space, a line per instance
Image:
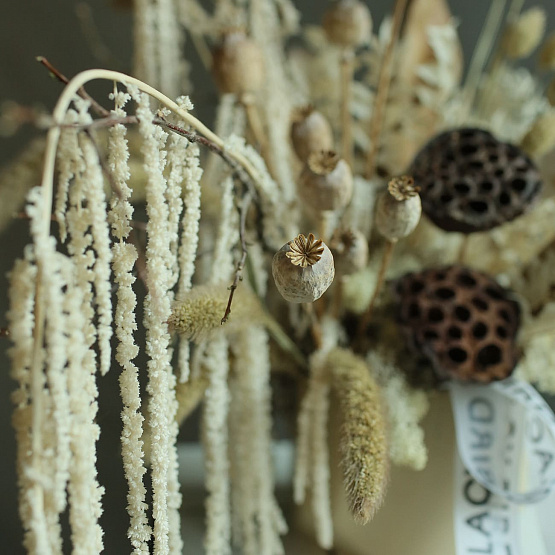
310,132
238,65
348,23
326,181
303,269
398,209
350,251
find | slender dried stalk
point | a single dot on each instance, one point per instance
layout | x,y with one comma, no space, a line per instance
378,112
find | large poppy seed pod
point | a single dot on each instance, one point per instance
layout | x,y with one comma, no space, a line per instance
350,250
470,181
310,132
326,181
348,23
303,269
462,320
398,209
238,65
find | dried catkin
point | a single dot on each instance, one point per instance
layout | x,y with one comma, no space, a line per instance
157,311
364,454
197,315
215,441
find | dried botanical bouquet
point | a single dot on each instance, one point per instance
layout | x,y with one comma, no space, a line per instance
360,218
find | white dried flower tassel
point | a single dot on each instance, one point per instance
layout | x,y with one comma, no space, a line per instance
258,528
20,317
189,240
124,257
157,311
215,441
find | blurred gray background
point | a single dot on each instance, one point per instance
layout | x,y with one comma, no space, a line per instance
55,29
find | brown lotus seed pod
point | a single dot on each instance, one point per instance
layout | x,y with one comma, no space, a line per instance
348,23
350,251
462,320
326,181
303,269
238,65
310,132
470,181
398,209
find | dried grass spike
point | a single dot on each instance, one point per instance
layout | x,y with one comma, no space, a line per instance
364,460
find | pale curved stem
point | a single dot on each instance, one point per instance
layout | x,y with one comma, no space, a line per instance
67,97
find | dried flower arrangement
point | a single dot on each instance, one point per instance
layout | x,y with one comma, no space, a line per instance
266,194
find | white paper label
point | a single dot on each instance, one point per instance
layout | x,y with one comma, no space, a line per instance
506,442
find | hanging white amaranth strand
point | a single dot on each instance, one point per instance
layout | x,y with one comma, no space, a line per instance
215,441
124,256
192,173
157,311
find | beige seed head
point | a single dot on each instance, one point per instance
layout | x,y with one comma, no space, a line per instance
541,136
238,65
550,92
398,209
350,251
303,269
524,34
198,314
326,181
546,58
348,23
364,449
310,132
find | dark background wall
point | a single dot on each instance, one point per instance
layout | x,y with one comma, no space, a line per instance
53,29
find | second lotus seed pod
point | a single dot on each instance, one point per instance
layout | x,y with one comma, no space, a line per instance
303,269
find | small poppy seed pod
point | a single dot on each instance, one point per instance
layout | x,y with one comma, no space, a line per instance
303,269
350,251
524,34
398,209
348,23
238,65
310,132
326,181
